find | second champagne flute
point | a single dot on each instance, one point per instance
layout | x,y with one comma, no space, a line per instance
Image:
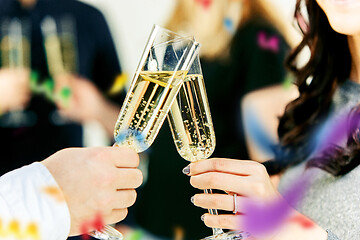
193,131
162,69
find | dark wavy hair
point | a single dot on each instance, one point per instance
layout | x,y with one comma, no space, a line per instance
329,65
340,160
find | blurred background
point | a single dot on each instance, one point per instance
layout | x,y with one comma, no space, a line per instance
131,21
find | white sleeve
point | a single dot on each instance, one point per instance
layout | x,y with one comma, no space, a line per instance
31,198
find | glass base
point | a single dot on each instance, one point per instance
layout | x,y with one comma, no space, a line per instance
108,233
234,235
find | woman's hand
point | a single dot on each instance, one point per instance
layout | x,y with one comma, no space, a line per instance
248,179
256,195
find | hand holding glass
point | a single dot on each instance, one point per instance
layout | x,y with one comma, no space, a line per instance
192,129
162,69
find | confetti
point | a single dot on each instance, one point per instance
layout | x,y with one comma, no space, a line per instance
119,84
135,235
97,223
262,218
54,192
288,81
47,88
303,221
229,25
205,3
268,43
133,136
13,230
179,233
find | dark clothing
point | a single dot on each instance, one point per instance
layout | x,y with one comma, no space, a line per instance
96,61
256,60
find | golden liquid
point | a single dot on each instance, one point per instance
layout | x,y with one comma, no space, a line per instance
145,108
190,120
15,53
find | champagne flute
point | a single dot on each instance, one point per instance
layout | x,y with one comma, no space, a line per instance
15,43
193,131
15,54
61,55
162,69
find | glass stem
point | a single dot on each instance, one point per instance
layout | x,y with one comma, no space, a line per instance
216,231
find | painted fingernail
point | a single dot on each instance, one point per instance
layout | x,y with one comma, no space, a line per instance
186,170
192,199
202,217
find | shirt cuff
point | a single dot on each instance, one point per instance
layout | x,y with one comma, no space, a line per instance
32,196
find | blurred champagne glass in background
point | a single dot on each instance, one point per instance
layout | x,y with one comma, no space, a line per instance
61,55
15,55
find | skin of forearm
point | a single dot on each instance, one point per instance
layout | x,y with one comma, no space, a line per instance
301,229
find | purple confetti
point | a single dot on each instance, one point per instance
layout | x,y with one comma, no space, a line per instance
262,218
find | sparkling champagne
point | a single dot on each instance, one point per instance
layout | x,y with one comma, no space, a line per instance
190,120
145,108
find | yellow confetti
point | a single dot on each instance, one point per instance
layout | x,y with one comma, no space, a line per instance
32,231
54,192
2,231
14,231
179,233
119,84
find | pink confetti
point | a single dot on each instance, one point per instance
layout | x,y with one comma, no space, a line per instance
268,42
205,3
97,224
303,221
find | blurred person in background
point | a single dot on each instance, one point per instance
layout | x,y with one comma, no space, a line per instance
315,126
242,50
53,122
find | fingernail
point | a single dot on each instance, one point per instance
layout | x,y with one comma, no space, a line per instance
202,217
192,199
186,170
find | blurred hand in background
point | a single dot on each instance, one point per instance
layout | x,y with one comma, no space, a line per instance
14,89
84,102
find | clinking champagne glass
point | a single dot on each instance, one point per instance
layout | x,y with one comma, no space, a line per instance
193,131
162,69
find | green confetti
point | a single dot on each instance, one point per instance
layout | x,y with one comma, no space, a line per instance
65,92
64,96
48,88
34,79
135,235
288,81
